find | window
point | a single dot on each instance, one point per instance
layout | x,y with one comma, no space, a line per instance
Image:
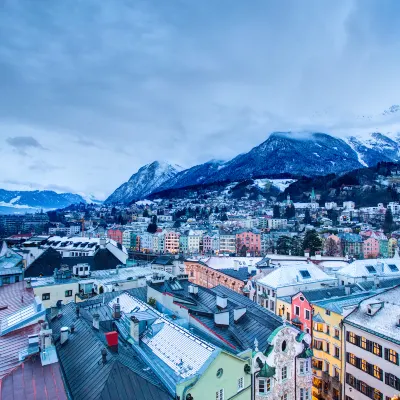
363,343
272,305
68,293
240,384
351,358
284,373
46,296
264,385
393,268
377,372
377,395
328,312
337,352
371,269
377,349
392,356
6,280
307,314
284,345
297,310
337,333
288,316
220,394
363,365
319,327
352,337
305,274
392,381
284,397
304,367
317,364
304,394
220,372
336,373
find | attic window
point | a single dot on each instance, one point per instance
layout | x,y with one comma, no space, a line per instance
305,274
393,268
371,269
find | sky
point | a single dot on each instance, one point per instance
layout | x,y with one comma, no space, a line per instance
92,90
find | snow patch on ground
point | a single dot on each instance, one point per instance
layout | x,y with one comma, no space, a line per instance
144,202
281,184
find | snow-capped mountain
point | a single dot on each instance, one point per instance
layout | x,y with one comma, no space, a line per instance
298,154
193,176
374,148
38,199
145,181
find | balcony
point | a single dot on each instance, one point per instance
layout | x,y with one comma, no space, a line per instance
336,383
317,372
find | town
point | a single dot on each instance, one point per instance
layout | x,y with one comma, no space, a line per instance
190,298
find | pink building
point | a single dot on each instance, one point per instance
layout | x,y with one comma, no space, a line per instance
115,234
302,312
207,244
371,248
250,240
171,242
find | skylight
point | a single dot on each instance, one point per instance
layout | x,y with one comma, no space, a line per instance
393,268
371,269
305,274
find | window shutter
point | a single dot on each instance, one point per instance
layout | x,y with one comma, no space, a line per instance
386,354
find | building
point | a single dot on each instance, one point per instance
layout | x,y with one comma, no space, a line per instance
369,270
96,361
60,229
352,244
328,343
171,242
372,347
207,244
248,242
371,248
11,266
172,265
130,239
147,242
280,353
287,280
115,234
298,308
183,243
194,243
277,223
227,243
392,247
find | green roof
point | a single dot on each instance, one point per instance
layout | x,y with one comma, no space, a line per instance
267,371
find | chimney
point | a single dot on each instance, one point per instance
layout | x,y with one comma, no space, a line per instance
117,270
102,242
104,355
134,329
28,284
376,281
236,265
112,340
221,318
116,310
96,321
307,253
347,289
239,313
222,301
64,333
193,289
317,255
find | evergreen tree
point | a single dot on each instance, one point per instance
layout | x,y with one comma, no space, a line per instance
297,246
177,224
277,211
312,242
284,245
224,217
290,212
146,213
388,223
152,228
307,216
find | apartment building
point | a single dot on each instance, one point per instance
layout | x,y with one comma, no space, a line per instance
372,347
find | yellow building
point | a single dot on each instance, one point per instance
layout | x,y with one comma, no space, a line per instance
328,361
392,246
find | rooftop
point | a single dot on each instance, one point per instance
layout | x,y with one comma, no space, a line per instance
389,267
385,322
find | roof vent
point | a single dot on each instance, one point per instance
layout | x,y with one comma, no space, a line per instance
373,308
221,318
96,321
222,301
64,334
104,356
238,313
193,289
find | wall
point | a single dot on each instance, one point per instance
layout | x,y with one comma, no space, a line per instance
208,383
57,292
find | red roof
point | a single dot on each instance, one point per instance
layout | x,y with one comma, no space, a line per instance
14,296
32,381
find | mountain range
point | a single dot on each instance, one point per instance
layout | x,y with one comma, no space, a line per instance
282,154
31,201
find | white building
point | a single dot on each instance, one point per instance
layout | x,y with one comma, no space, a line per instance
147,241
66,230
349,205
331,205
193,243
394,207
372,347
277,223
290,279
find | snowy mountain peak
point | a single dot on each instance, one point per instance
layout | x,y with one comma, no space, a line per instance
144,181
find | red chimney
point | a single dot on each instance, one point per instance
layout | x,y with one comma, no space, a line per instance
112,340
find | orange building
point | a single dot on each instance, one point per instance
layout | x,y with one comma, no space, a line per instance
249,241
171,242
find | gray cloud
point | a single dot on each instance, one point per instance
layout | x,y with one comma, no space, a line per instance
22,143
43,166
115,85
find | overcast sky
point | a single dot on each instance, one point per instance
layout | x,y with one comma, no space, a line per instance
90,90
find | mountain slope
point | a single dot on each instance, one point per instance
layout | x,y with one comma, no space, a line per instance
284,152
46,199
193,176
145,181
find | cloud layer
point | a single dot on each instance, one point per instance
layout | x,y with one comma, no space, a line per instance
105,87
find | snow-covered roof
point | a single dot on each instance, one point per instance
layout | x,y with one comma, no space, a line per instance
295,274
384,322
389,267
229,262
